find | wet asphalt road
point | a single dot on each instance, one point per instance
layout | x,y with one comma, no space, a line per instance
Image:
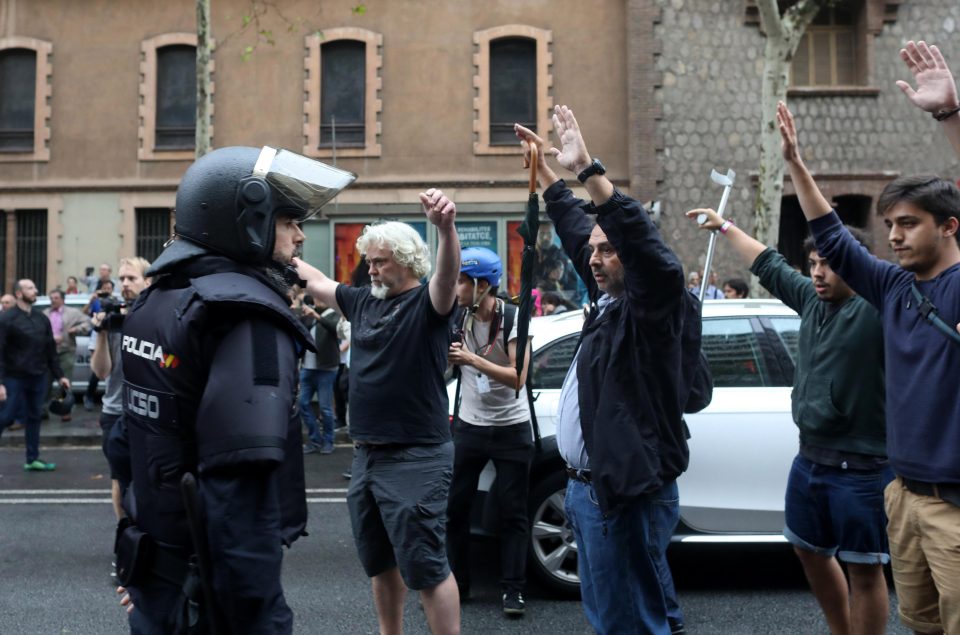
56,532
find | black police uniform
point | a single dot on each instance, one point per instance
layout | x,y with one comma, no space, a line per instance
210,357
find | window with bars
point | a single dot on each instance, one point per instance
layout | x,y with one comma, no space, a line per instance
18,76
152,231
828,52
31,246
176,97
513,87
343,87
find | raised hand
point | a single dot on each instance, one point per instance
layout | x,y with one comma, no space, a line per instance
936,87
573,153
528,137
439,209
712,220
788,134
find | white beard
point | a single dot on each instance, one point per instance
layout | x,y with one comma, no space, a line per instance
379,292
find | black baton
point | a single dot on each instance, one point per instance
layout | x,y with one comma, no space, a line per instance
191,502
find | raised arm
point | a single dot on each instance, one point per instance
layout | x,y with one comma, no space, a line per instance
775,274
746,246
573,154
318,284
812,202
442,213
936,90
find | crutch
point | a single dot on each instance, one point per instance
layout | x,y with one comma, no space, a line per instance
726,180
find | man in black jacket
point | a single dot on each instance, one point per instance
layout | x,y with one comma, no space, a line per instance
620,426
27,352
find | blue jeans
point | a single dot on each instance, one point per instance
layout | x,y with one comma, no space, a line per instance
619,578
836,512
24,403
666,515
321,383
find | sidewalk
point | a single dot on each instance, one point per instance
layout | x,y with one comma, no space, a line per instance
84,430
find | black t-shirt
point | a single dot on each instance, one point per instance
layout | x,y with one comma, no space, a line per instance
398,354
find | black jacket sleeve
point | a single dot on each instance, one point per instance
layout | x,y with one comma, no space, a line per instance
568,213
653,275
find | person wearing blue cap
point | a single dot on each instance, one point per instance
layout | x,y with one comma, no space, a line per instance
491,423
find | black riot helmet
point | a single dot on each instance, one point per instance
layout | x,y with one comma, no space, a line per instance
229,200
62,405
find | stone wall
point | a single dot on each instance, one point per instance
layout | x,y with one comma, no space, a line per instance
710,71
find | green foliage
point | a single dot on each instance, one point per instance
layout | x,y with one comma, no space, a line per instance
360,9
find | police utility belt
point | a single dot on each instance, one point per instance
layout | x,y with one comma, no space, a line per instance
139,558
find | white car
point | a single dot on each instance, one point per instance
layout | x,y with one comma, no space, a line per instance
741,445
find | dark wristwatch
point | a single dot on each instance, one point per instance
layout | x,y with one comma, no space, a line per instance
595,167
942,115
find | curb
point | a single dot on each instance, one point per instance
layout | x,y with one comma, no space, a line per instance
88,437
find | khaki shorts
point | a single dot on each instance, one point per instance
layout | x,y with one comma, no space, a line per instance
924,535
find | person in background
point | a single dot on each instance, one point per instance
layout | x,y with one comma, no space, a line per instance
736,289
103,291
67,323
106,359
27,353
318,371
72,287
7,301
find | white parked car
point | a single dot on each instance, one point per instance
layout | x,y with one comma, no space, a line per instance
741,445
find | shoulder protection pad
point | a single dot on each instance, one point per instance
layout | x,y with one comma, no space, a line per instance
249,293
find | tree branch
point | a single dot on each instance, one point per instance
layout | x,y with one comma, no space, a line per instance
770,18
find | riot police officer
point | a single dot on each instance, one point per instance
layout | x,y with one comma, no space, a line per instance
210,356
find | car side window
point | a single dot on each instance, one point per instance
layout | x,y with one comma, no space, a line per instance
550,364
788,331
733,349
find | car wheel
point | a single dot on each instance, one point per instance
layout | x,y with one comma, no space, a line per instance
552,549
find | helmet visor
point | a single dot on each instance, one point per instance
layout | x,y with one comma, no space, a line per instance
304,184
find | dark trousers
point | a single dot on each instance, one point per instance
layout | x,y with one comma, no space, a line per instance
511,450
92,385
24,403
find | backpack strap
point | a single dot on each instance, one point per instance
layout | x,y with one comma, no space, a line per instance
931,315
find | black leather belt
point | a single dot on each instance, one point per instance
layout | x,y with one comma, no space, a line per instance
579,475
949,492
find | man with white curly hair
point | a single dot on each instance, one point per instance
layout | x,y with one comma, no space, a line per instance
403,460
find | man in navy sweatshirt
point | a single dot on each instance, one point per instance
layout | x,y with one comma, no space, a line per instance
922,214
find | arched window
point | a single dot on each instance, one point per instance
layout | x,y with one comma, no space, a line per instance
827,54
168,97
342,89
512,82
176,120
24,99
342,104
513,87
18,80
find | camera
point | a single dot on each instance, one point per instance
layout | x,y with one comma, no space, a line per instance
110,305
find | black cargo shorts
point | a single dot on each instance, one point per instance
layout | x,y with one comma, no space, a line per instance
398,510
